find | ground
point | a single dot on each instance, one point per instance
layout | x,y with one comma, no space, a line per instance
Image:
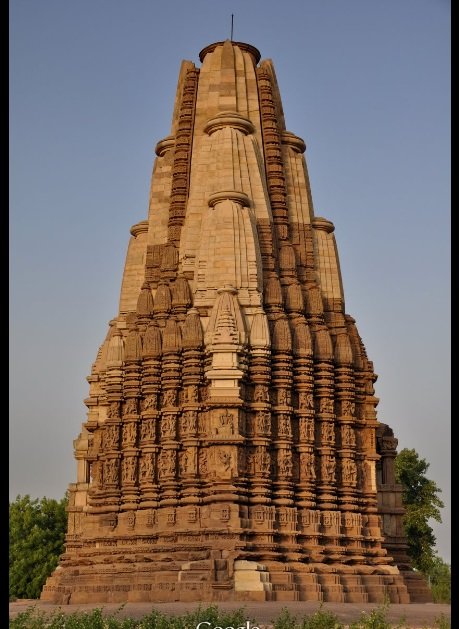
415,615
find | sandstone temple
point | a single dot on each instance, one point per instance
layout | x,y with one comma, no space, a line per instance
231,449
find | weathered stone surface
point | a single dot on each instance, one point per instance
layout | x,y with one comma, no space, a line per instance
229,451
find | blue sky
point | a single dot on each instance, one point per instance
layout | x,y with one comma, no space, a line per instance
92,87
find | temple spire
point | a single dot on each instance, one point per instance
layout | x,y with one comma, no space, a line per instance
230,450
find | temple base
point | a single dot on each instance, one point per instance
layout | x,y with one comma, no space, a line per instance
216,580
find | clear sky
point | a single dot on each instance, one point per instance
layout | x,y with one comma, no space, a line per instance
92,87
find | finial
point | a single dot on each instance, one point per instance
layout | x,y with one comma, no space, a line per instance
232,22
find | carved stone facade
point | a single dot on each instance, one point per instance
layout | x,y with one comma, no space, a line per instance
229,451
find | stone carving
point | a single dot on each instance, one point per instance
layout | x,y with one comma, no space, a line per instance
348,436
325,405
129,433
233,342
128,469
113,411
263,422
151,518
347,408
111,437
192,515
250,462
111,471
168,427
130,520
283,397
130,408
189,422
261,393
284,463
307,466
328,433
170,397
147,430
202,423
166,465
203,463
306,429
327,468
225,459
349,472
284,425
226,421
96,473
146,467
331,519
186,462
262,461
193,394
150,402
305,401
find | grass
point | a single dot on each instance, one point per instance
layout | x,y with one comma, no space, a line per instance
34,618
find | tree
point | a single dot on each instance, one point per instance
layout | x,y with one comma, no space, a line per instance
37,531
422,504
440,581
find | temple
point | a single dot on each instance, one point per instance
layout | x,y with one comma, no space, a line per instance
231,449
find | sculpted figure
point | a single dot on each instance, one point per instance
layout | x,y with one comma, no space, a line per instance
193,395
328,468
326,405
129,433
348,436
147,429
307,466
285,463
284,426
190,422
226,421
306,401
113,410
263,422
349,471
130,408
129,469
168,426
111,473
169,397
328,433
283,397
260,393
347,407
203,463
111,437
150,402
146,467
225,459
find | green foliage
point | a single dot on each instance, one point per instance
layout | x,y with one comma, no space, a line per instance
321,619
443,622
376,619
33,618
285,620
422,504
36,536
440,581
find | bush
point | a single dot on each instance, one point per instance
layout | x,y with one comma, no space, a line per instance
37,531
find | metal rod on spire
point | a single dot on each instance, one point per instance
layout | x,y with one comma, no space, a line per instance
232,18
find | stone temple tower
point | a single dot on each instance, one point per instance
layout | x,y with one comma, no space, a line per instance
230,448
